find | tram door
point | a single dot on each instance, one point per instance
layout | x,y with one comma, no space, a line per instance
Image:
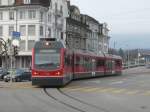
113,67
93,67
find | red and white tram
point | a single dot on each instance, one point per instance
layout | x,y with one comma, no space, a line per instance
54,65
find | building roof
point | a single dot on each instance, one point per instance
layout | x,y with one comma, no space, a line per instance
74,9
92,19
45,3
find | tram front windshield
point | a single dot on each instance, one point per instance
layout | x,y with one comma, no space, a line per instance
47,59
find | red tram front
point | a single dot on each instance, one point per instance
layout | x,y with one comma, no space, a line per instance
48,64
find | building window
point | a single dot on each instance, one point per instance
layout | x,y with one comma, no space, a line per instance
56,7
1,31
11,29
49,32
23,30
41,16
31,44
41,30
22,45
49,17
22,14
31,30
32,14
61,9
10,2
1,15
27,1
11,15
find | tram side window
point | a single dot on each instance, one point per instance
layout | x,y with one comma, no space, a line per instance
109,64
77,62
87,63
118,63
113,64
100,63
67,60
90,64
81,61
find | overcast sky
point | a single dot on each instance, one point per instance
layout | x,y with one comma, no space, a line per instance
129,17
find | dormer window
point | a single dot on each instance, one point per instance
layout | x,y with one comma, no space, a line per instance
27,1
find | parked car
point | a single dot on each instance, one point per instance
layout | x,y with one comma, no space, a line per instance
3,72
18,76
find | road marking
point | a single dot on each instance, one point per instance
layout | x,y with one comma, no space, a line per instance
118,82
96,81
106,90
147,93
91,89
71,87
78,89
119,91
132,92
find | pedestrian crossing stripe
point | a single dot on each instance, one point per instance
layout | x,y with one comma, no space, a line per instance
71,87
132,92
77,89
119,91
147,93
91,89
108,90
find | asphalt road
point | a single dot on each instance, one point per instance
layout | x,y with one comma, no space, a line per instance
129,92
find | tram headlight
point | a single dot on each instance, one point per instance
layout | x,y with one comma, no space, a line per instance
58,73
35,73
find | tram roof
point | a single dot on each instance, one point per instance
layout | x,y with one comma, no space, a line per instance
82,52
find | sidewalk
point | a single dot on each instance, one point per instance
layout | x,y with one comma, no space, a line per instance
137,70
16,85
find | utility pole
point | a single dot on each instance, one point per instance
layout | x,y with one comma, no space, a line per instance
128,59
128,56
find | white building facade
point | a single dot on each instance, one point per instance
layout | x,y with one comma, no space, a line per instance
34,19
94,34
104,38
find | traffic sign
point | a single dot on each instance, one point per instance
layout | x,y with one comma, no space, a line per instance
16,35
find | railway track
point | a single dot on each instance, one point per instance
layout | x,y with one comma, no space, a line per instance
74,103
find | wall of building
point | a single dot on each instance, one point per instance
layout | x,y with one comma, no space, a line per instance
37,20
47,19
